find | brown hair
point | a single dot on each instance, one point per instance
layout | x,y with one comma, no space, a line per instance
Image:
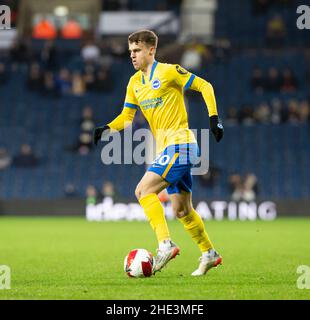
147,36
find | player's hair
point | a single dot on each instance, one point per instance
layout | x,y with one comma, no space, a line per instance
146,36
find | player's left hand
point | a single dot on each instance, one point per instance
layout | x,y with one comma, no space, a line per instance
216,128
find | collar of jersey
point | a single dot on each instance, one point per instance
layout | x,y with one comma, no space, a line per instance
152,72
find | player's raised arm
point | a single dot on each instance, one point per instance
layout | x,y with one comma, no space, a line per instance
206,89
188,80
123,120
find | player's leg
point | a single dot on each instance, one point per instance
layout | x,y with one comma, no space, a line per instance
191,220
147,193
193,224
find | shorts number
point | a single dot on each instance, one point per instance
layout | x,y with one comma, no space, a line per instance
162,160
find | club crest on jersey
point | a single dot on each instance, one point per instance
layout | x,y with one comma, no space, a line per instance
181,70
156,84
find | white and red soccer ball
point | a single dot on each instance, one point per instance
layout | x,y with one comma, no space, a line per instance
139,263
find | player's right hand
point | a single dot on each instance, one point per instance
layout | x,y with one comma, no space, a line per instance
98,131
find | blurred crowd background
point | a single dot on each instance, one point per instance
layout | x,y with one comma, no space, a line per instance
57,84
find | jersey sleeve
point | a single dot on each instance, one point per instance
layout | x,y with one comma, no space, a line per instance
181,76
125,118
207,91
130,99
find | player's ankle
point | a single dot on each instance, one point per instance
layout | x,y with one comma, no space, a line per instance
209,254
164,245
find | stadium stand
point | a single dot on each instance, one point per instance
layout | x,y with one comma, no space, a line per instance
278,154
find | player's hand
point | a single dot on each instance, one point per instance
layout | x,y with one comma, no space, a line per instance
216,128
98,131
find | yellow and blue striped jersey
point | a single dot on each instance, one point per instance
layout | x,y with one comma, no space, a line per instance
160,98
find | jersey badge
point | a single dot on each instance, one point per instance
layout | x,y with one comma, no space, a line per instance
181,70
156,84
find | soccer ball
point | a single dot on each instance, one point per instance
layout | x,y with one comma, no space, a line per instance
139,263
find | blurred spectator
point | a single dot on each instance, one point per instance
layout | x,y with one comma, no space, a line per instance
293,111
71,30
304,111
90,52
232,116
246,115
262,113
49,87
91,195
64,82
273,82
236,188
89,77
5,159
289,82
194,56
249,187
276,111
4,75
34,81
70,191
85,141
286,82
243,189
108,190
44,29
258,82
26,158
276,31
87,124
78,85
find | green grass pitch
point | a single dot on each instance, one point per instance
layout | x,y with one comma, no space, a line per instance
70,258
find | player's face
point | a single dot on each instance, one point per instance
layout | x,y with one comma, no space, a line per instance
140,55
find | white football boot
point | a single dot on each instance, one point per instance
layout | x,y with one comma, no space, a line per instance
167,250
208,260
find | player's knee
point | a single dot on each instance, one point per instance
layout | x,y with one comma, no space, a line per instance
138,192
141,191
